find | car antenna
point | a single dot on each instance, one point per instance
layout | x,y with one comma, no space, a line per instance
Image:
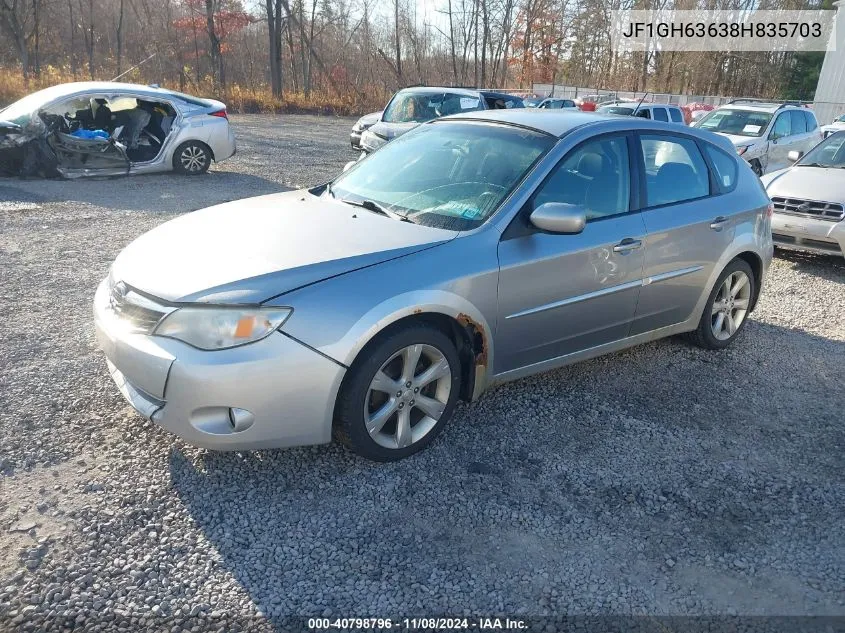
135,66
640,102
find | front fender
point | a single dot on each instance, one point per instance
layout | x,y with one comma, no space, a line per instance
416,303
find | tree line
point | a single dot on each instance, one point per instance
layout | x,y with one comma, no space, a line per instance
362,50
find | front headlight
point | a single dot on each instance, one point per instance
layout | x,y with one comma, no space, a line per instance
216,328
742,150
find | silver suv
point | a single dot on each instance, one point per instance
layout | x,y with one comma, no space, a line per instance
764,133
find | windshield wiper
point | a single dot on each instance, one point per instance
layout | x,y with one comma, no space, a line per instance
814,165
375,207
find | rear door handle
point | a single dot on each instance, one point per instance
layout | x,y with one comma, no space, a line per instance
719,223
628,244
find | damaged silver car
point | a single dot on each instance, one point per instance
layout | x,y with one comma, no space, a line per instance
112,129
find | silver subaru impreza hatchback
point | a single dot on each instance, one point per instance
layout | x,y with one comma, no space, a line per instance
474,250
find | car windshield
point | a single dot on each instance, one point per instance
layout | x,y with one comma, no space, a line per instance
419,107
829,153
738,122
615,110
452,174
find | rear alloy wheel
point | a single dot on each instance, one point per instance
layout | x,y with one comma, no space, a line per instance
192,157
399,397
727,307
730,306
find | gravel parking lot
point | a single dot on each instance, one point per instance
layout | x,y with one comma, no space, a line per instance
661,480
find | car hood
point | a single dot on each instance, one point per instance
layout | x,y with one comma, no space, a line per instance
807,183
252,250
390,131
739,140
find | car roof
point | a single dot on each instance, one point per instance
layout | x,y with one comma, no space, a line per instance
67,89
438,89
645,104
560,122
556,123
759,107
503,95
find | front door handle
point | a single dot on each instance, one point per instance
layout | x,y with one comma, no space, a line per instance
719,223
628,244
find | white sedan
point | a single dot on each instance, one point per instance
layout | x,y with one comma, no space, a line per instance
102,128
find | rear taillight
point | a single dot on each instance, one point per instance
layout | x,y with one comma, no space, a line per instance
221,113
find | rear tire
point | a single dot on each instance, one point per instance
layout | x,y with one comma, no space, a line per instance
399,394
192,158
727,308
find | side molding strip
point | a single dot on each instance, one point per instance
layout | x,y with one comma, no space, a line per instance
606,291
585,297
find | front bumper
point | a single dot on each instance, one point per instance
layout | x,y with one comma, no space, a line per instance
286,390
808,234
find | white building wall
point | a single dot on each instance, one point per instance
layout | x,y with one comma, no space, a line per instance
830,92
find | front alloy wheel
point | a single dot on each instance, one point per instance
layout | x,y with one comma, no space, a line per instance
399,393
407,396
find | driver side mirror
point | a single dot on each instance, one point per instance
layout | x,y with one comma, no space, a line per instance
795,155
559,217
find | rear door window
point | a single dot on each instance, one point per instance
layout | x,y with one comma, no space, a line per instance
798,121
812,124
660,114
675,169
676,115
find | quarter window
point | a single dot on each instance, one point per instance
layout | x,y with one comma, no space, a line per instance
724,166
675,170
660,114
812,124
595,176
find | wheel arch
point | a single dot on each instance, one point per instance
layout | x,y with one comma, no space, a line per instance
454,316
756,263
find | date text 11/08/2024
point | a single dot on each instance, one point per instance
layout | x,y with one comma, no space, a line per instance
444,624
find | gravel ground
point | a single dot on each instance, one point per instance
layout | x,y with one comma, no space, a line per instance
661,480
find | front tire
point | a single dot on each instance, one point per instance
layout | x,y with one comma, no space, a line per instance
191,158
727,307
757,168
399,394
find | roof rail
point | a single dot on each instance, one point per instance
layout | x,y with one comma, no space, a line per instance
778,102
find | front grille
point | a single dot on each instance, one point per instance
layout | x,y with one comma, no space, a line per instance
137,312
831,211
